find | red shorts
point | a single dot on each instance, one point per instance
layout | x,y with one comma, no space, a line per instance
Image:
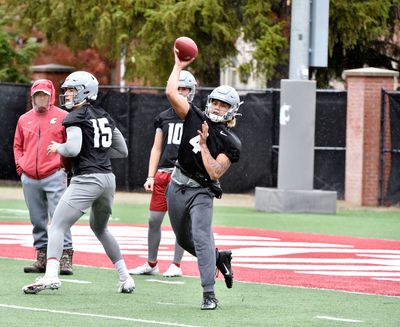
158,200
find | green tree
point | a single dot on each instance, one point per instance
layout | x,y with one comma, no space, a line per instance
107,26
215,25
361,32
146,29
15,60
266,24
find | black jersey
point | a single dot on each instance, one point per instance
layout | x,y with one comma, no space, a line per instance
172,127
220,140
97,128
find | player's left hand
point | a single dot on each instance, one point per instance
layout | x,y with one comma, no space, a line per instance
149,184
203,133
52,148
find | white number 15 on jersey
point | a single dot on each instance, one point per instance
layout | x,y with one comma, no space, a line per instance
102,133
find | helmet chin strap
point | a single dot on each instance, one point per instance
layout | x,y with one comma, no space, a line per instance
69,105
215,118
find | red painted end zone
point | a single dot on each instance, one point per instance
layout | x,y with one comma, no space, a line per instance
296,259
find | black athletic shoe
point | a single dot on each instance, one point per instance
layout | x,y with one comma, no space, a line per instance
209,302
224,259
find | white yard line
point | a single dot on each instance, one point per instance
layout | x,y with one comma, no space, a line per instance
338,319
165,281
391,279
76,281
154,322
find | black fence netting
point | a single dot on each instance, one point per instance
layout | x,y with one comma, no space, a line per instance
118,105
144,107
13,103
330,141
258,129
255,130
393,186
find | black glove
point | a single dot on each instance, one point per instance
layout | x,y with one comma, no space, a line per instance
216,189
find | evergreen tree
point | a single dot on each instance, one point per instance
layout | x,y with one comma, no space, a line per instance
362,32
16,55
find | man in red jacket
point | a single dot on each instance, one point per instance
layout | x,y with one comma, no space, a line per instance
43,179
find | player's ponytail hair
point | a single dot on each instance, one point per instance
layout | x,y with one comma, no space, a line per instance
231,123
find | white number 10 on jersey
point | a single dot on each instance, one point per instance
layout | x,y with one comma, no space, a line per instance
174,133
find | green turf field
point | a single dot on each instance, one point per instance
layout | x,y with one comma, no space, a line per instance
157,304
96,302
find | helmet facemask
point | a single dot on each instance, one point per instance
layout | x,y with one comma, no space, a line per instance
190,95
77,99
187,80
85,85
227,94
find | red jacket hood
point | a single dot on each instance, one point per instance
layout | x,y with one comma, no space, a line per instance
45,86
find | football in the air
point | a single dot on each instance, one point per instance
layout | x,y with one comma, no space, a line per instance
185,48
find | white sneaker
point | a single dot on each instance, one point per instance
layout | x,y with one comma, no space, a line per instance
42,283
127,286
144,270
173,271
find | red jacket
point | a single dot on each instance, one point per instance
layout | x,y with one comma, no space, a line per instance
34,133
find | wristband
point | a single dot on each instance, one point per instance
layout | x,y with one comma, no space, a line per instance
149,177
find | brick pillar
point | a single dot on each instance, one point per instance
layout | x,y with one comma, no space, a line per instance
53,72
364,87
